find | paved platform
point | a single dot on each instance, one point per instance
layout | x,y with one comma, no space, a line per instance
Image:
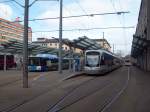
12,93
136,97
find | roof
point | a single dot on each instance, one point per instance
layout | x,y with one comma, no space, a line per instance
104,51
16,46
43,40
83,43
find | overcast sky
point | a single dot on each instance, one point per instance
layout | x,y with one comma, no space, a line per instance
121,38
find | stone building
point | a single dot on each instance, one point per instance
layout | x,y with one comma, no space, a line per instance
54,43
141,39
51,43
103,43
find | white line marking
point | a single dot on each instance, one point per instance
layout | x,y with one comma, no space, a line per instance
117,96
36,78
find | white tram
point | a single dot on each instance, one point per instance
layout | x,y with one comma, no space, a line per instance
100,62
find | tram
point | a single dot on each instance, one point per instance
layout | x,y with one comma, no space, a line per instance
127,62
100,62
45,62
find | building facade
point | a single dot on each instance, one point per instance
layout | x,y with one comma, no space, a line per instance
141,40
12,30
54,43
103,43
51,43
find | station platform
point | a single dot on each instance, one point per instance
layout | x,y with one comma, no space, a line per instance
13,94
136,97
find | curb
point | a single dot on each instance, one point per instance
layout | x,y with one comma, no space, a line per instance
73,75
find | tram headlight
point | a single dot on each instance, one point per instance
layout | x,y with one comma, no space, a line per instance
38,68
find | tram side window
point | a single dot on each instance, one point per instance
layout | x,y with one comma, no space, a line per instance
43,62
54,61
34,61
102,60
48,63
106,59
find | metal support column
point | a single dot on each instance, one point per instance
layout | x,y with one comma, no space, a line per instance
113,48
25,45
60,37
103,39
5,62
70,60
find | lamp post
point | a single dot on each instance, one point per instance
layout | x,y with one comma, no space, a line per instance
103,39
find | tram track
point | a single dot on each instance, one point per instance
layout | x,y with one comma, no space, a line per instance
110,101
55,109
9,83
107,103
14,81
15,106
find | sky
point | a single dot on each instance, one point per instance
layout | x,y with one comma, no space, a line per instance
120,38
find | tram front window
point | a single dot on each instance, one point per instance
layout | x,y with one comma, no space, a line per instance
92,59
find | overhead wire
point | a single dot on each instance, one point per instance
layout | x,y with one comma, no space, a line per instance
123,24
17,7
6,1
81,23
113,6
41,25
82,9
78,16
88,29
70,13
77,2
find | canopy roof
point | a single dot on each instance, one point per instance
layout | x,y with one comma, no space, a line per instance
83,43
138,45
15,46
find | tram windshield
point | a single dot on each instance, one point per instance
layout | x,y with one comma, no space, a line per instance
92,59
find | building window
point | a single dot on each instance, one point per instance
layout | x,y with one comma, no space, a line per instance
55,44
2,37
50,44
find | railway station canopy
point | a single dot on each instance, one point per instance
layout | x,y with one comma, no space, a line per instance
138,45
83,43
15,46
